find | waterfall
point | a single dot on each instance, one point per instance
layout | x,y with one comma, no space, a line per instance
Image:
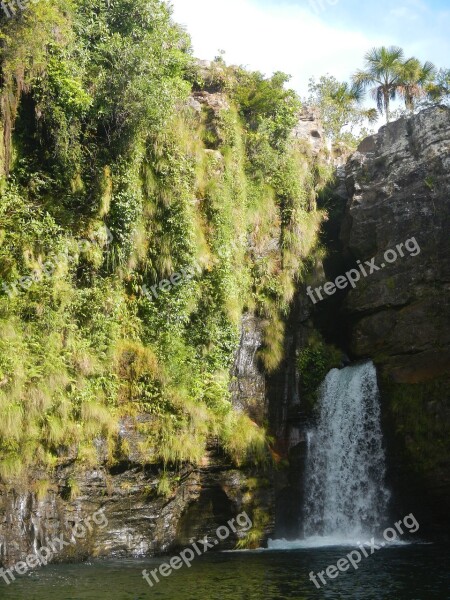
346,497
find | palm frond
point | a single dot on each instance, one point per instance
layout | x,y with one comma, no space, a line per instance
371,115
362,78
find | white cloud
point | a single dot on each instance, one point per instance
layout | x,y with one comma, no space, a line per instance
272,38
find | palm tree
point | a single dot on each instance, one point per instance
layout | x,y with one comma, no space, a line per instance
415,81
348,96
438,90
383,70
345,95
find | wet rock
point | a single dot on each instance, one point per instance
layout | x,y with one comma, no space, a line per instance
249,382
398,185
137,522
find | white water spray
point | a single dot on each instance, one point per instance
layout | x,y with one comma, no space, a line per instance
346,497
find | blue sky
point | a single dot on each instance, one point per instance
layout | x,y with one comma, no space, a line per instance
308,38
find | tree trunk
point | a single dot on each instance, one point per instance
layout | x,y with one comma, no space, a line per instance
386,106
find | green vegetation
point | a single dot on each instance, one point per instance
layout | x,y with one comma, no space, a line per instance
388,76
417,412
383,71
415,79
339,106
439,90
251,502
254,538
392,76
96,129
314,361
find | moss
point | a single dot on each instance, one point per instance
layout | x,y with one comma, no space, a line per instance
41,488
165,486
390,283
430,182
256,483
71,490
244,441
417,413
314,362
254,538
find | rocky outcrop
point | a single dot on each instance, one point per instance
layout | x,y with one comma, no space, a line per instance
288,420
395,188
139,519
143,517
248,387
398,185
309,128
399,188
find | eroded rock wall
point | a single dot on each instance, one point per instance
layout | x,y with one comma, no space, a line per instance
398,185
399,188
138,520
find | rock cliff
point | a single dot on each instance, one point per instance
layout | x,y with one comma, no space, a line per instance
398,189
394,189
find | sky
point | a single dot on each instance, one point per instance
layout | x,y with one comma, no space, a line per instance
307,38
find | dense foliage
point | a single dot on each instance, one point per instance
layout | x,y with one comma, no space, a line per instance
97,129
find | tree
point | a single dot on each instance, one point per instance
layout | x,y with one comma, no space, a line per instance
383,70
265,103
415,78
438,91
339,105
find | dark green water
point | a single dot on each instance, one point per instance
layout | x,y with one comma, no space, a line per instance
416,572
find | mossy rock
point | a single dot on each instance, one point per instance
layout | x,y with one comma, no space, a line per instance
314,361
419,414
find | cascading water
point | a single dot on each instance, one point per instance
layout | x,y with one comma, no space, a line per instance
345,492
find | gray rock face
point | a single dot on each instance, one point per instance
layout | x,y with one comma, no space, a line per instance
398,184
309,128
249,384
137,522
399,188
